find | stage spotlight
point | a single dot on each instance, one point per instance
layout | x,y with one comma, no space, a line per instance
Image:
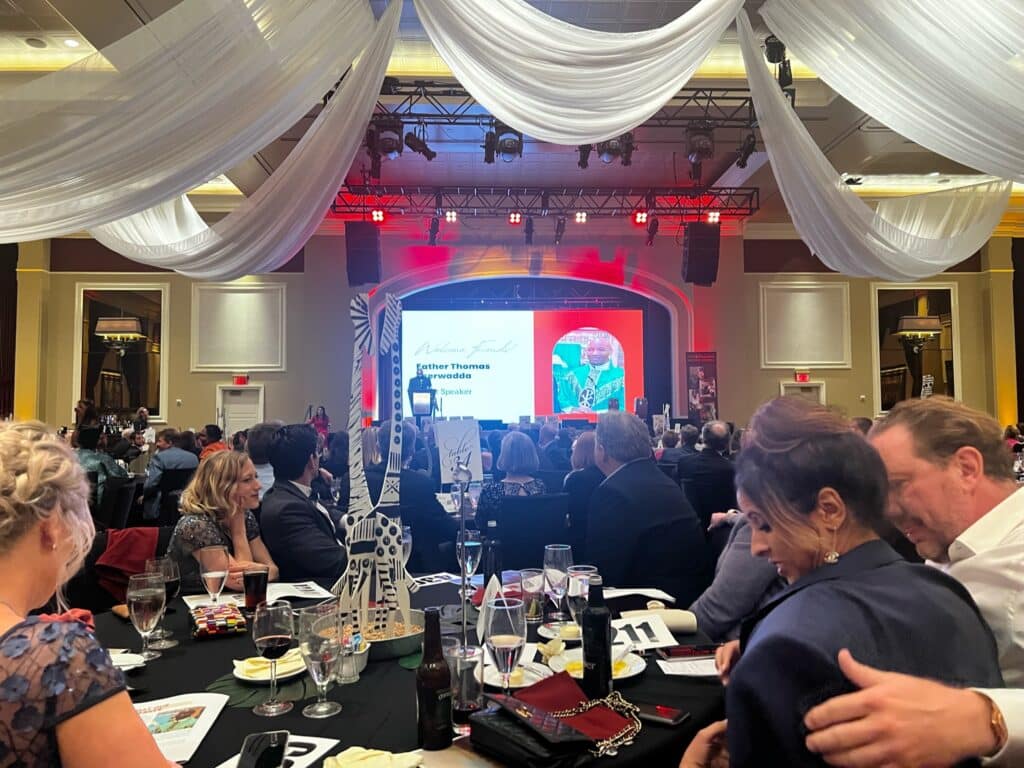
746,149
559,229
388,139
640,217
774,50
528,230
696,171
714,217
489,146
508,142
584,150
652,230
515,218
438,203
581,217
377,215
451,216
619,147
785,75
435,227
419,145
545,198
700,142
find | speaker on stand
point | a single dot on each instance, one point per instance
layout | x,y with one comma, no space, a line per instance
700,253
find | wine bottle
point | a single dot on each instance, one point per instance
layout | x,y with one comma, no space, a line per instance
433,688
492,561
597,643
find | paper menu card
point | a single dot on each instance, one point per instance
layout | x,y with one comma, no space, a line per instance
305,590
301,752
689,667
180,723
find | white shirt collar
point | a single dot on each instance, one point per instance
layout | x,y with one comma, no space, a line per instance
306,490
990,529
603,367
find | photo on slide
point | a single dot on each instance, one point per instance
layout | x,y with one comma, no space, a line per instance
587,371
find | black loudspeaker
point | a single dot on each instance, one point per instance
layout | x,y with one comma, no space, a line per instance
362,252
700,253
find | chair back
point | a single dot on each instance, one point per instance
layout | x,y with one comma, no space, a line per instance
526,524
172,483
94,479
114,489
553,479
671,470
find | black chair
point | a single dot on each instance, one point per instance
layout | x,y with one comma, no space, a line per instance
168,490
94,479
83,590
671,470
115,490
526,524
553,479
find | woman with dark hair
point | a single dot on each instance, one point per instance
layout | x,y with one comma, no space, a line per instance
187,442
518,461
813,491
580,485
321,422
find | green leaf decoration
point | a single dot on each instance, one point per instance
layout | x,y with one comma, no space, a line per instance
412,661
244,695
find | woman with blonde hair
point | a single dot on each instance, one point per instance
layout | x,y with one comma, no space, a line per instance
63,701
216,509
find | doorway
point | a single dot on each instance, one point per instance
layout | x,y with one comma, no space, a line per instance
239,407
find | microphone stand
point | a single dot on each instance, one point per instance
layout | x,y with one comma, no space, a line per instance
463,476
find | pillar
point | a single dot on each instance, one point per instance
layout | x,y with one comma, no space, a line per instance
997,266
33,297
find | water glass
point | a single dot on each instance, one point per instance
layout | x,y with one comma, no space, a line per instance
406,544
320,645
578,594
532,584
272,632
167,568
557,560
468,549
465,662
506,635
146,596
213,568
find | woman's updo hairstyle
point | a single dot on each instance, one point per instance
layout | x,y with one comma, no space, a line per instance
793,448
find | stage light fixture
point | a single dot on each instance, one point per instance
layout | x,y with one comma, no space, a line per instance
652,230
377,215
559,229
714,217
515,217
451,216
388,137
435,227
620,147
375,164
640,217
747,148
785,74
418,144
696,171
774,50
581,217
489,146
503,142
438,203
584,150
545,199
528,230
700,142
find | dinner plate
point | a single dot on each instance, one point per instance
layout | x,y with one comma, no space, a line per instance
571,661
126,661
549,631
532,673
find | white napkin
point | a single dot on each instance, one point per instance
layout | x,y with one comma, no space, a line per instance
493,588
373,758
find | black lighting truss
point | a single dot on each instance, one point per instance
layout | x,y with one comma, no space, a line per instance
430,102
685,202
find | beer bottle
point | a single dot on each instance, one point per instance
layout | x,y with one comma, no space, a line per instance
492,561
597,643
433,688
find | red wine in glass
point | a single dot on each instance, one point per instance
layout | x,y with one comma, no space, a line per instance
273,646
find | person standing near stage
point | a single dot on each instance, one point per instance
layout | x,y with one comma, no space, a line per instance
419,383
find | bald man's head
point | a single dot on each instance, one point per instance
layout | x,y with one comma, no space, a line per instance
598,351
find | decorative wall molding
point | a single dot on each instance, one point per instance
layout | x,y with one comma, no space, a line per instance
805,324
238,326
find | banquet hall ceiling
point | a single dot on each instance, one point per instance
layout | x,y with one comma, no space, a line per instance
854,143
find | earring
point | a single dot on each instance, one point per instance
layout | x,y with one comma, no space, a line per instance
832,557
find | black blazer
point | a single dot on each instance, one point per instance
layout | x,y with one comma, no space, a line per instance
891,614
303,542
641,532
709,482
420,509
580,484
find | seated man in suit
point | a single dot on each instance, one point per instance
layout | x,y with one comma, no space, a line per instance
168,456
418,506
708,477
641,531
299,532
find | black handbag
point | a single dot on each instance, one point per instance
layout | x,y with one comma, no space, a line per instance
520,735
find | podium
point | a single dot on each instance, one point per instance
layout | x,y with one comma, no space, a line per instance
423,403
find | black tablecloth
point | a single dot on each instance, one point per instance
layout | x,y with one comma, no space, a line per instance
380,710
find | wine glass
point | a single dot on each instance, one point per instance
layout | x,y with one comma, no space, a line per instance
506,634
557,559
320,645
468,548
168,569
272,632
213,568
406,544
146,597
579,589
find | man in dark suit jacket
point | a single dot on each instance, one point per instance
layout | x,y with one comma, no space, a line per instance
641,531
418,506
299,532
708,477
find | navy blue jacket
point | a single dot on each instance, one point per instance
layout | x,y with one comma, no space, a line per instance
891,614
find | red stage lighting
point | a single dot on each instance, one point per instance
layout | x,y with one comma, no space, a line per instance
377,215
515,218
640,217
714,217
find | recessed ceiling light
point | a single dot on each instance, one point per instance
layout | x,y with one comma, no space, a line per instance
35,42
934,173
70,42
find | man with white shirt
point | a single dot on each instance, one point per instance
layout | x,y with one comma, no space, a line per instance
258,447
299,531
953,493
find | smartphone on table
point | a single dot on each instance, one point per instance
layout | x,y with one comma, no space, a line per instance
660,713
264,750
701,651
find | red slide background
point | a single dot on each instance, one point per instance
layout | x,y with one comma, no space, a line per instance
627,325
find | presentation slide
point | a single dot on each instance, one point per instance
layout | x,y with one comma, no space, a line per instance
506,364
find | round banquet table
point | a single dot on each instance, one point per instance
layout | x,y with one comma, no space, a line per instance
380,710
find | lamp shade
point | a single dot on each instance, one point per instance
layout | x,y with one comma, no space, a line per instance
919,326
119,328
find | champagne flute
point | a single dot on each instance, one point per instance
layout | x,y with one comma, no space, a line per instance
406,544
579,589
469,548
506,635
146,598
168,568
557,559
213,568
320,645
272,632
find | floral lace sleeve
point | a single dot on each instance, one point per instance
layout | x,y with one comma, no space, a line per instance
194,532
252,527
50,671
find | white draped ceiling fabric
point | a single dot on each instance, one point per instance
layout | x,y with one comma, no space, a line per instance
948,76
908,239
565,84
166,108
276,221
